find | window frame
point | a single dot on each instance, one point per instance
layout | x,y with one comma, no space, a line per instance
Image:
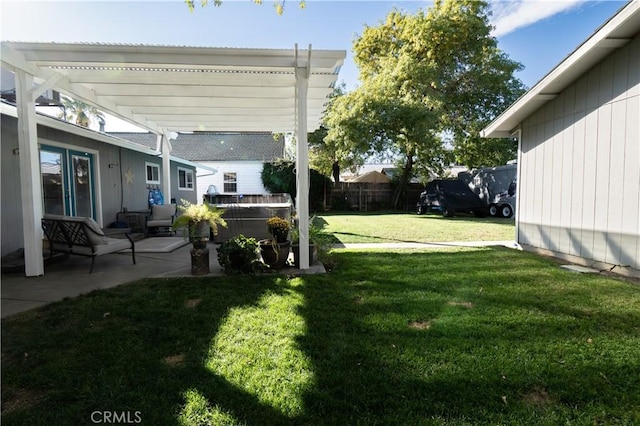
233,182
188,186
156,166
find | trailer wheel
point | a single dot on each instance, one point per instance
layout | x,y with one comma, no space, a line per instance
493,209
506,211
420,210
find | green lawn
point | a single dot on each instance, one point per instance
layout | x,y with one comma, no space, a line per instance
458,336
398,227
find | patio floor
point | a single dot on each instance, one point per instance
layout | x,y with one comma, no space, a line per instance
70,276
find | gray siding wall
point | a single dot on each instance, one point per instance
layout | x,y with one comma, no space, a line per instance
579,184
113,190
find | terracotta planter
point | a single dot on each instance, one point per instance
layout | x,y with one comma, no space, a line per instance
275,254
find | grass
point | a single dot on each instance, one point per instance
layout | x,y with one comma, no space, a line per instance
394,227
457,336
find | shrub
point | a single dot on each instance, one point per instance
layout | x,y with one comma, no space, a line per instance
240,255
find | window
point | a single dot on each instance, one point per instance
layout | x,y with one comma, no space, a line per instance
230,182
185,179
153,173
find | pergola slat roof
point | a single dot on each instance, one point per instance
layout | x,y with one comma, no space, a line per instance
167,89
181,88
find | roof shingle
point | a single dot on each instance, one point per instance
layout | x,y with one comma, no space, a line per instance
216,146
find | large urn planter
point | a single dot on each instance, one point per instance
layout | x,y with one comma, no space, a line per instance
199,237
201,221
275,254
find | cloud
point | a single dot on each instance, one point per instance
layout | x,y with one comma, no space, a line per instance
511,15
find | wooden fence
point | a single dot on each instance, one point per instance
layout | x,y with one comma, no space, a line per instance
364,197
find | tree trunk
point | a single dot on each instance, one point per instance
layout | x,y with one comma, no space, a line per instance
336,172
403,181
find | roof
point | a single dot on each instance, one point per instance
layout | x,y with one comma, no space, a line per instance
167,89
372,177
216,146
65,126
615,33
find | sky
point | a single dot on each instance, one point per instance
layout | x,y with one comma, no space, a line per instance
537,33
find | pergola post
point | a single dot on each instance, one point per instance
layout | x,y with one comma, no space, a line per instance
31,190
166,168
302,160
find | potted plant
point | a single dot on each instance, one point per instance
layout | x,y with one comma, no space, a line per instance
201,220
240,255
275,250
319,242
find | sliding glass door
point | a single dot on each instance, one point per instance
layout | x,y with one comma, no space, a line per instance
67,181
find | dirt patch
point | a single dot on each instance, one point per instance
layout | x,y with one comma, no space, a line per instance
20,400
537,397
174,360
467,305
192,303
420,325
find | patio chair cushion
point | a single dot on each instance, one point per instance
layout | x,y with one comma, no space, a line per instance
96,236
161,215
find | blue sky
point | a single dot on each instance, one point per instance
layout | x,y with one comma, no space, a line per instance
537,33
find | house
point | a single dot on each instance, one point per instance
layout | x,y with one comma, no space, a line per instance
237,158
83,173
579,151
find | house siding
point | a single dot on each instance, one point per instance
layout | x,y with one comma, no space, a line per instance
580,166
113,191
249,176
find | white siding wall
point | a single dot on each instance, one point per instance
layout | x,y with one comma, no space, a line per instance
248,173
580,166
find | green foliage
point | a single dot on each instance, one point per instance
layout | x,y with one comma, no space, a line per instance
196,213
280,177
277,4
79,112
317,236
240,255
427,79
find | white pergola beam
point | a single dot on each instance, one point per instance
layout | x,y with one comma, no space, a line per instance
30,188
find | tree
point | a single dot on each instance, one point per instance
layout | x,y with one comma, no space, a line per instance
280,177
78,111
427,78
278,4
325,155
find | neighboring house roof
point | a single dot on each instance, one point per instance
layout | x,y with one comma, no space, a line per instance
615,33
217,146
372,177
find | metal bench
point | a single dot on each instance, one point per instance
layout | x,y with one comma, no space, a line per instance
82,236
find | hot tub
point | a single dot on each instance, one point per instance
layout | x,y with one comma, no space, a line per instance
248,214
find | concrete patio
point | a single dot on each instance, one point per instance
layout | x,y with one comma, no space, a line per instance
70,277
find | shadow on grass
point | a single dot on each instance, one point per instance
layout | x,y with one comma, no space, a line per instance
119,360
484,336
447,347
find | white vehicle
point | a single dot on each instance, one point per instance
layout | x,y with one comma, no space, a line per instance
504,204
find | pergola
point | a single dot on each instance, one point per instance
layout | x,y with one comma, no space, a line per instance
167,89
